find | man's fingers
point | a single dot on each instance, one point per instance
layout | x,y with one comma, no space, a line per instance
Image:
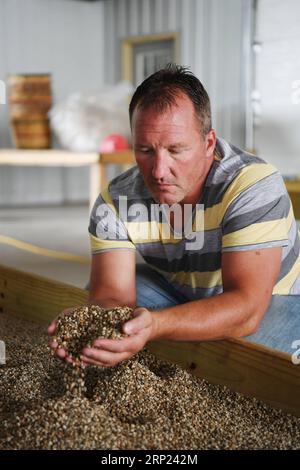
117,345
105,357
60,352
53,344
142,320
69,359
52,328
87,361
111,352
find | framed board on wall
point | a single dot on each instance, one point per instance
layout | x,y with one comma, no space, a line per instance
144,55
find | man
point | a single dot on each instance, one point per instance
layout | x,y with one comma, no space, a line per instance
249,255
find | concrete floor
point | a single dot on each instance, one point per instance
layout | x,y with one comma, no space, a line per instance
62,228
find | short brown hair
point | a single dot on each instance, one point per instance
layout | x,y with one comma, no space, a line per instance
163,87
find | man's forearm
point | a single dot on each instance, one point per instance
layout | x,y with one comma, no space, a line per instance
110,302
231,314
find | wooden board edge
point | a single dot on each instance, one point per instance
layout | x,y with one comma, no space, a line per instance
35,297
251,371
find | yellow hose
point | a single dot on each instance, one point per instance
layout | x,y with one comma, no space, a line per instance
37,250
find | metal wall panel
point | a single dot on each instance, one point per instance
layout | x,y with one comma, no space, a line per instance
211,43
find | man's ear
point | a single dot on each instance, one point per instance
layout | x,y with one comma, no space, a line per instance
210,141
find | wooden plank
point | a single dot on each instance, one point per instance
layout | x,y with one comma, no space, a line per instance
34,297
119,158
13,157
293,188
142,39
245,367
64,158
295,198
96,183
127,69
248,368
293,185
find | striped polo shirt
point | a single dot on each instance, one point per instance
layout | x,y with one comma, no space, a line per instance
244,206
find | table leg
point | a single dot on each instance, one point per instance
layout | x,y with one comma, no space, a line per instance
95,182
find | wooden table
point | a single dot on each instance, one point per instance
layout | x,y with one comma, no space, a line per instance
98,163
64,158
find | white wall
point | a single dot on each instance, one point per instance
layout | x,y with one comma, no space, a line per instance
63,37
277,135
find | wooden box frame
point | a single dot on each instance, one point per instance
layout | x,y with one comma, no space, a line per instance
251,369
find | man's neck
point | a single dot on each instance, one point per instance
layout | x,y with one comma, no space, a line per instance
194,196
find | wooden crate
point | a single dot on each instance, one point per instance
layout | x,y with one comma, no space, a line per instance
244,367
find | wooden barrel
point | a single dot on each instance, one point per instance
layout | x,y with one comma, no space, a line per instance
29,102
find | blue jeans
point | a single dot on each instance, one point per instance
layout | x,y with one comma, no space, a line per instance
278,329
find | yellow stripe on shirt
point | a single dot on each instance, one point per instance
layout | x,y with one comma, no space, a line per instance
195,279
262,232
248,176
98,244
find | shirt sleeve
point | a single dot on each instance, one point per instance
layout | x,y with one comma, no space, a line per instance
107,231
259,215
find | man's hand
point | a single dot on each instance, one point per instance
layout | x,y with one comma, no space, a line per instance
109,352
60,352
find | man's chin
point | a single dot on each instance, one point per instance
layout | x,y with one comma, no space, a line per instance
164,198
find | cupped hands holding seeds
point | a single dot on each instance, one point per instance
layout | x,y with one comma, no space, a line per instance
100,336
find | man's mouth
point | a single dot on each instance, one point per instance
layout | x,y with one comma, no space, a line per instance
163,185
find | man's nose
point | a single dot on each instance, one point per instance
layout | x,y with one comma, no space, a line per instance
159,169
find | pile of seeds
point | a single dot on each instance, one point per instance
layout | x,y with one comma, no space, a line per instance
83,325
143,403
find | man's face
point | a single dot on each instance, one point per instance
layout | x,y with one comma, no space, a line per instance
171,152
